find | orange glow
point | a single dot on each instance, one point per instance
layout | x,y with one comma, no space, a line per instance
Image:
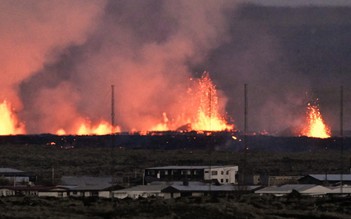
199,110
316,127
61,132
9,124
86,128
208,117
162,126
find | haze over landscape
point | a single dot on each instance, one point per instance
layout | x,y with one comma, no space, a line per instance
59,60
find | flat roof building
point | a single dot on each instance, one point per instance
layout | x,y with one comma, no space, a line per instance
218,174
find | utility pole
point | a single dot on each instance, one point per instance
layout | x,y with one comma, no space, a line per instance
112,134
113,108
341,137
245,133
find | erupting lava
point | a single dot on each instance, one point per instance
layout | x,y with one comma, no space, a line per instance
208,117
86,128
316,127
201,110
9,124
198,110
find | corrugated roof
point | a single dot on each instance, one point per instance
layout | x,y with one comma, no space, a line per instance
144,188
10,170
301,188
86,182
186,167
178,167
345,189
192,186
206,187
331,177
287,188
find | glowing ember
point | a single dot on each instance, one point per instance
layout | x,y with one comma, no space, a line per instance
208,117
9,124
316,127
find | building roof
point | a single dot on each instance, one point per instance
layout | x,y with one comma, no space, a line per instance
206,187
345,189
9,170
86,182
144,188
288,188
186,167
331,177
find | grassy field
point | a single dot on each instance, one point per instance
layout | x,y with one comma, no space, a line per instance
99,161
241,207
129,163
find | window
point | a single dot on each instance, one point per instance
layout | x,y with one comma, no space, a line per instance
226,180
221,180
188,172
214,172
222,172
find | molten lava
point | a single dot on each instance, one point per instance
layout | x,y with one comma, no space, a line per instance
9,124
200,110
86,128
316,127
163,126
208,117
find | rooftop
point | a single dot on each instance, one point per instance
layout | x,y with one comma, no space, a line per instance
186,167
331,177
9,170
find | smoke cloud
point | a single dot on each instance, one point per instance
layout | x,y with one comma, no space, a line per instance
34,32
144,48
59,59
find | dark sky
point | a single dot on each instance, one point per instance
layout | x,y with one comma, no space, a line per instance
59,59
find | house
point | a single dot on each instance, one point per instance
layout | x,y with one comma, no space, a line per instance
7,191
325,179
88,186
57,192
220,174
198,189
141,191
178,189
303,189
15,176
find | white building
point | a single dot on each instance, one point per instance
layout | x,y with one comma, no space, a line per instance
223,174
220,174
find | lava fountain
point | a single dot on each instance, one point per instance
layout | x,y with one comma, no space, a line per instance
315,127
199,109
9,123
208,117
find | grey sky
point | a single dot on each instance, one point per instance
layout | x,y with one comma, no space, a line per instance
302,2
